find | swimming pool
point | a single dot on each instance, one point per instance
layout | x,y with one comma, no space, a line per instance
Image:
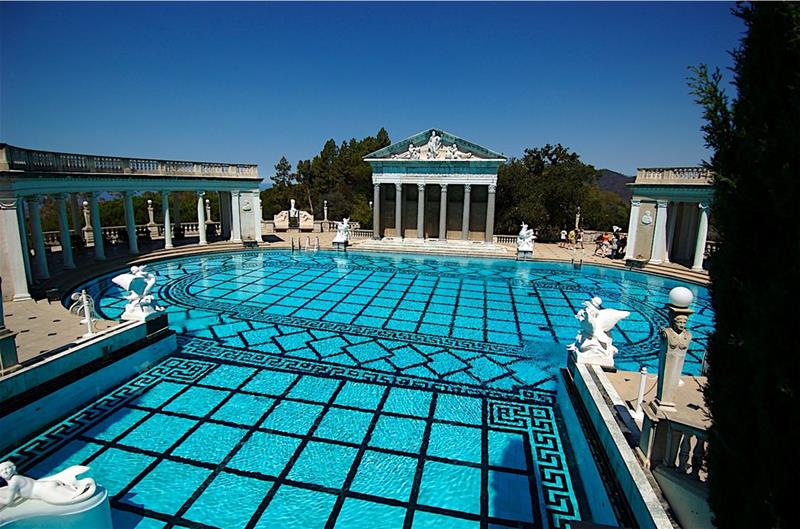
357,390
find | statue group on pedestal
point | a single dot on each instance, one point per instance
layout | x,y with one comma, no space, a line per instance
138,283
342,232
525,239
593,344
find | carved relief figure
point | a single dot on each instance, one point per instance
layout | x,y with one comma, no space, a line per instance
433,145
647,218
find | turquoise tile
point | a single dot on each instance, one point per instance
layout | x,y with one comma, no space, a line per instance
360,395
73,453
115,424
210,443
227,376
385,475
461,443
507,450
158,433
397,433
295,508
323,464
157,395
315,389
229,501
270,382
344,425
405,401
361,514
196,402
128,520
167,487
244,409
453,487
292,417
115,468
456,408
510,496
265,453
427,520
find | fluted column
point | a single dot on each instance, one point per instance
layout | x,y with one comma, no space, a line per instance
63,227
14,265
35,209
376,211
167,220
97,228
702,234
201,218
633,223
75,211
236,229
420,211
130,224
490,213
660,236
465,214
398,210
257,216
443,212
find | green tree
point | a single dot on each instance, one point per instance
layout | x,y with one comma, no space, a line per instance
283,173
753,389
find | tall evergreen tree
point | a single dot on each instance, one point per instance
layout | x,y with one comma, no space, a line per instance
753,389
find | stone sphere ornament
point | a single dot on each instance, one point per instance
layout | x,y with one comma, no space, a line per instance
680,297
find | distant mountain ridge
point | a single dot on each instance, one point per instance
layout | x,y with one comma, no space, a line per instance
615,182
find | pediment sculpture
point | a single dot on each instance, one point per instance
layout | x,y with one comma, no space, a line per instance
433,150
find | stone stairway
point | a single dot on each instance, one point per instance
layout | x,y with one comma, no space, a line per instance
468,248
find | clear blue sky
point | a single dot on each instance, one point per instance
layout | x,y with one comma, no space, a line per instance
250,82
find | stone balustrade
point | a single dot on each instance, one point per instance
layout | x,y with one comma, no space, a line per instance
686,449
360,234
674,175
117,234
29,160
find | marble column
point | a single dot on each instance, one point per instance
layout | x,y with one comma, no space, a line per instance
257,216
225,214
75,211
420,211
702,234
130,223
465,214
398,210
633,222
376,211
490,213
97,229
671,222
14,266
63,227
660,236
443,213
201,218
167,220
35,209
236,228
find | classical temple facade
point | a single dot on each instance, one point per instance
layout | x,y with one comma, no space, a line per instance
434,186
26,176
669,215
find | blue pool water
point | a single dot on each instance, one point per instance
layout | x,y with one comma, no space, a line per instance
355,391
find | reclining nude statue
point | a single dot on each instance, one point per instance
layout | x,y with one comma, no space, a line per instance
593,344
63,488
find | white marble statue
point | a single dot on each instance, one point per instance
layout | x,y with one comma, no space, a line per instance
63,488
342,231
138,283
593,344
293,212
411,154
525,239
433,145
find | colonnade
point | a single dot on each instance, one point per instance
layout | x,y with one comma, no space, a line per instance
421,189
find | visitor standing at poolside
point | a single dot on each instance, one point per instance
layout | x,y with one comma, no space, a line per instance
571,237
563,242
579,239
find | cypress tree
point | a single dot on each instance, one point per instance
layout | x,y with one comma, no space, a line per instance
752,390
